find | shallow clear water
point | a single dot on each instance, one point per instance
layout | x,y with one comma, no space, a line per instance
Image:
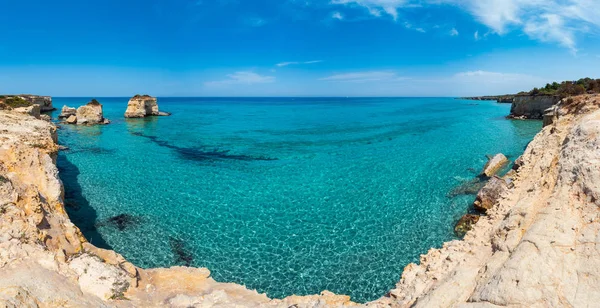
287,196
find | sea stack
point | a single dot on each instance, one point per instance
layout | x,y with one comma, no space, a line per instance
88,114
141,106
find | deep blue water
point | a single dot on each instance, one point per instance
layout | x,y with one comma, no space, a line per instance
286,196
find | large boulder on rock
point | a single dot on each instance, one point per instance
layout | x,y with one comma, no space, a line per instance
33,110
550,115
494,165
67,112
489,195
71,120
141,106
465,224
90,114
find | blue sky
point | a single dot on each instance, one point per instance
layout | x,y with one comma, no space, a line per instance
295,48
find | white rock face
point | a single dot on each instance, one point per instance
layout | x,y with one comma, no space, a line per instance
90,114
67,111
99,278
494,165
33,110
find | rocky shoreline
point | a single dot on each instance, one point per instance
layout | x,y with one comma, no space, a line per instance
538,245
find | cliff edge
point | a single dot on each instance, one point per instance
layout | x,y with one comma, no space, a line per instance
539,246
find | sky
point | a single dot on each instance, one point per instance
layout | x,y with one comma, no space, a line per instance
295,47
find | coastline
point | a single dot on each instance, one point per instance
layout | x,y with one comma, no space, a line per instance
460,272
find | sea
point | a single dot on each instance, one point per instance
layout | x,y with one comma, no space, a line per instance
283,195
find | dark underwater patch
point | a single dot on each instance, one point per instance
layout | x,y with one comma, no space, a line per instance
471,187
182,255
120,222
201,153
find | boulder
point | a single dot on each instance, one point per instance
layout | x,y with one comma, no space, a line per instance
489,195
72,120
494,165
67,112
141,106
465,224
33,110
46,117
90,114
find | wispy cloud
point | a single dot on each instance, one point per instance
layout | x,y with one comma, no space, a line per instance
360,77
476,35
337,15
283,64
243,78
454,32
552,21
408,25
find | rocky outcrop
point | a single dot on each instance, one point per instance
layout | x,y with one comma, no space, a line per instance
89,114
67,111
536,247
465,224
44,102
141,106
494,165
490,194
33,110
531,107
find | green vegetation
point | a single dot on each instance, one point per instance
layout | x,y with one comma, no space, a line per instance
568,88
16,102
94,102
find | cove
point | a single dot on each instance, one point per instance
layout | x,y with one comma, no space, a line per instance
283,195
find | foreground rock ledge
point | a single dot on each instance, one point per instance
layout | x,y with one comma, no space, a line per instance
537,247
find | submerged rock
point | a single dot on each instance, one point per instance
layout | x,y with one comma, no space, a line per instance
182,255
465,224
141,106
494,165
471,187
121,221
490,194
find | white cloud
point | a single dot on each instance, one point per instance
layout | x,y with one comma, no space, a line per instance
476,35
283,64
552,21
454,32
337,15
247,78
360,77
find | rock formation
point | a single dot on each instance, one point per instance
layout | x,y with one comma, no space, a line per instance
33,110
494,165
531,107
490,194
141,106
88,114
537,247
67,111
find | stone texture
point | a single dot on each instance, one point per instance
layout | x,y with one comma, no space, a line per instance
67,111
141,106
531,107
494,165
465,224
71,120
33,110
90,114
490,194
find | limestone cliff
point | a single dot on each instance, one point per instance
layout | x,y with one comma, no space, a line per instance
531,107
537,247
141,106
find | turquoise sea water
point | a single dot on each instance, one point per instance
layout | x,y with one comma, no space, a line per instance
286,196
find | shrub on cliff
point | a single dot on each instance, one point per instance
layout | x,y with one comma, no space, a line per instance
569,88
16,102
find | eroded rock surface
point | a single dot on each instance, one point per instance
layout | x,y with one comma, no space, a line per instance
537,247
494,165
67,111
141,106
